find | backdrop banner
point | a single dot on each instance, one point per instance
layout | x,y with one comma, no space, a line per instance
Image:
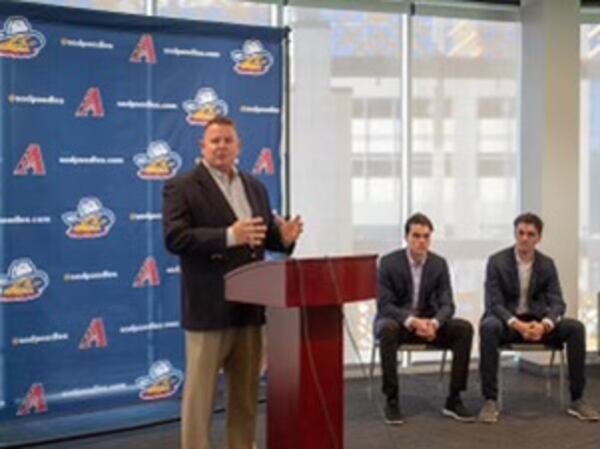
97,110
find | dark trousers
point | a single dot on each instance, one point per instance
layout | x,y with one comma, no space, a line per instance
493,333
455,334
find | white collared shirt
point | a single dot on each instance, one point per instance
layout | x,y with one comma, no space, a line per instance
235,194
416,270
524,269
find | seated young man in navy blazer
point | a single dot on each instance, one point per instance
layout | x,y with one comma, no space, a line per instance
524,303
415,305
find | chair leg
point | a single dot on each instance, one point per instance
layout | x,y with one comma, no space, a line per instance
443,368
406,359
372,368
549,374
500,383
402,357
372,364
561,377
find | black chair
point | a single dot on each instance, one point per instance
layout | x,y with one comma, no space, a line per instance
406,350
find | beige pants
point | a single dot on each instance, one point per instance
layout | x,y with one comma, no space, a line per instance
238,352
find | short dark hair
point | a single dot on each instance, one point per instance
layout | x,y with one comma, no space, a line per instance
219,120
417,219
530,218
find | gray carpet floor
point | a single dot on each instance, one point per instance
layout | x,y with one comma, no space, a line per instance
530,420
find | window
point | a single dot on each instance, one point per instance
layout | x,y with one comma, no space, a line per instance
346,138
128,6
464,162
217,10
589,175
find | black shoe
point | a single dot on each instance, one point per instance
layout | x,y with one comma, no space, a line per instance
455,409
393,415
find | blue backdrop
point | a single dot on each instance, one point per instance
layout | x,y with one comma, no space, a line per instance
97,110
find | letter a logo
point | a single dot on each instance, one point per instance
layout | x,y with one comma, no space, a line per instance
92,103
95,335
32,161
264,163
148,274
35,400
144,50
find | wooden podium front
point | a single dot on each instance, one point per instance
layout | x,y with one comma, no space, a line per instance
305,393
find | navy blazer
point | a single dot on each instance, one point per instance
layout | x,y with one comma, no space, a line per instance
544,296
395,289
196,216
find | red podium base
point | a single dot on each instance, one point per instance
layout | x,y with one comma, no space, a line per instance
305,401
305,393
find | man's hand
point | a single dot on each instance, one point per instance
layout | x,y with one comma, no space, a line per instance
536,331
290,229
522,327
424,328
250,232
529,330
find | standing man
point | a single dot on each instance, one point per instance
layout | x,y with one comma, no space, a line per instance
524,303
217,218
415,305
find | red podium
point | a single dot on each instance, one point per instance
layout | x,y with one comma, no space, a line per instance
305,395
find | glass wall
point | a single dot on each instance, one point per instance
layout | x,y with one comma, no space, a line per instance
346,138
129,6
465,84
218,10
347,151
213,10
589,265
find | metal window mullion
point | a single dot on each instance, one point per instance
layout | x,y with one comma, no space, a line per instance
367,152
278,13
590,16
278,20
519,127
467,10
406,116
389,6
267,2
151,7
287,93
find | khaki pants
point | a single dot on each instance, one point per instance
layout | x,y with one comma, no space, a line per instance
238,352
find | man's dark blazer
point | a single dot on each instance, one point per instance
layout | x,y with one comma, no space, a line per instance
544,297
395,289
196,216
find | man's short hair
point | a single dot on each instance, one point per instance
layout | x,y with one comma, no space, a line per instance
417,219
530,218
219,120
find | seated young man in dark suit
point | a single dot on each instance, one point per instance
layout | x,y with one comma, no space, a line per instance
524,303
415,305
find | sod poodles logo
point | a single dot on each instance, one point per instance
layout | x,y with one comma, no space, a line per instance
159,162
205,106
161,382
91,220
252,59
18,40
22,282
